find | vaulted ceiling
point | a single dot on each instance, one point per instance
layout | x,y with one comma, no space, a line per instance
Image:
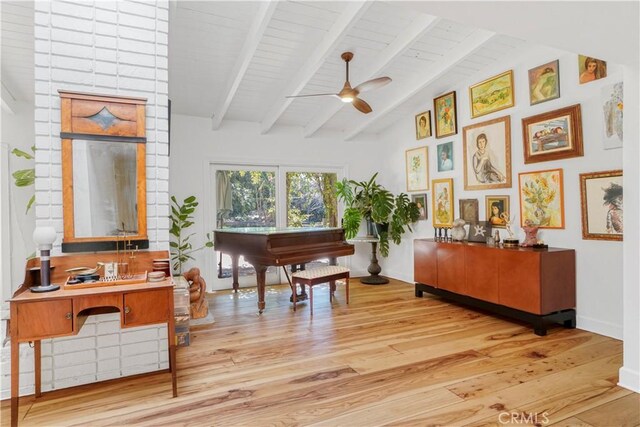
239,61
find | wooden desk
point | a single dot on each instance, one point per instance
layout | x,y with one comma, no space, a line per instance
37,316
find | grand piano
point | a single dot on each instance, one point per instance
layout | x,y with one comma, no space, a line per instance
264,247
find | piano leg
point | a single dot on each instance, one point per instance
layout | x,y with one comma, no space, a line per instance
234,269
261,275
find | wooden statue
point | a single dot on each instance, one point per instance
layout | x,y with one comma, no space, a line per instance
197,292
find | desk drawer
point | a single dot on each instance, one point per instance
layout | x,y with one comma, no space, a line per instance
45,319
146,308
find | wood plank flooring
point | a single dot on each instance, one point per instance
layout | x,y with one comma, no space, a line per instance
387,358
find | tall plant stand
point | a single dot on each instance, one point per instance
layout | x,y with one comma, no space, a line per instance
374,268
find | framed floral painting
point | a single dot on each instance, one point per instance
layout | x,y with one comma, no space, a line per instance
544,82
444,108
417,165
442,202
612,109
487,154
601,202
542,198
553,135
493,94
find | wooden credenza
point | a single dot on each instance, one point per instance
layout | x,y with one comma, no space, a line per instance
537,286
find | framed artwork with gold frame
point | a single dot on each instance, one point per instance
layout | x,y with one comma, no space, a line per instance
553,135
417,166
542,198
494,94
601,203
498,211
444,115
423,125
442,202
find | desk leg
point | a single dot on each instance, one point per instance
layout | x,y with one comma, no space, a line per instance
37,361
261,276
171,331
234,271
15,377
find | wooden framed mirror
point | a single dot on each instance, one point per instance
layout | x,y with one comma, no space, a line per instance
104,194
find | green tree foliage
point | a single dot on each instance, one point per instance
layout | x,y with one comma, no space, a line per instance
25,177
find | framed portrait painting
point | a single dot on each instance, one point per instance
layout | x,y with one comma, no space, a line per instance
542,198
444,111
421,201
544,82
445,156
493,94
487,154
498,210
601,202
591,69
442,202
469,210
423,125
417,165
553,135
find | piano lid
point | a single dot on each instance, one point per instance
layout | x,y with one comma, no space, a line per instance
267,231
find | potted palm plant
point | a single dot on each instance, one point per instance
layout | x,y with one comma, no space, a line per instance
388,216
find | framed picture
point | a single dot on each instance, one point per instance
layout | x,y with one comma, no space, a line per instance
417,164
553,135
542,198
469,210
487,154
423,125
444,111
544,82
445,156
491,95
591,69
601,202
442,202
479,231
612,108
498,210
421,201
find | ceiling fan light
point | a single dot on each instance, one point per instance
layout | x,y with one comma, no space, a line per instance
347,99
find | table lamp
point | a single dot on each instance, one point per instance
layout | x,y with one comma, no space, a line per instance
44,238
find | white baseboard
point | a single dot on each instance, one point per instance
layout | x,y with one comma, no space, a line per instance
607,329
629,379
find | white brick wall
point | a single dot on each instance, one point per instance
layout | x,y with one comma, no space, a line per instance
117,48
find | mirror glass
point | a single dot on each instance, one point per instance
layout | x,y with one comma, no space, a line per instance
104,188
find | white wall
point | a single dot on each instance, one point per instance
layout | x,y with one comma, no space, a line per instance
599,263
115,48
194,146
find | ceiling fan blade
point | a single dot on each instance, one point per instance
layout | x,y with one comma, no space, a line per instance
361,105
313,94
373,84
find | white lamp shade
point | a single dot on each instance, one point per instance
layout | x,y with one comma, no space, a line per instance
44,237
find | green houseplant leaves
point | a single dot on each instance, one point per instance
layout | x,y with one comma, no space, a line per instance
182,218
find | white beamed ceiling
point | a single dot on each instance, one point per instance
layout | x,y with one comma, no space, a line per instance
207,38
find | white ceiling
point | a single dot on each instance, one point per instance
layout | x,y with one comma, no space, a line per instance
239,59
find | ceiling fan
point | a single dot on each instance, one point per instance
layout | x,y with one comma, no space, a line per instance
349,94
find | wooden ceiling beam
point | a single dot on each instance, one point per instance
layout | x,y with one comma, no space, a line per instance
351,14
472,43
418,28
258,27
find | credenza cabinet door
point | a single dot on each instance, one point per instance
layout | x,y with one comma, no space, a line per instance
520,280
482,273
425,267
45,319
146,308
451,267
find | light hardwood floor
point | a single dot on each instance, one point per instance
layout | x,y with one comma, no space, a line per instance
388,358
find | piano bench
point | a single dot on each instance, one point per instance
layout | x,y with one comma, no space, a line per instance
315,276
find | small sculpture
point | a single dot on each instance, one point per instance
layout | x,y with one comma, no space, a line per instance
508,224
458,233
531,232
197,289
